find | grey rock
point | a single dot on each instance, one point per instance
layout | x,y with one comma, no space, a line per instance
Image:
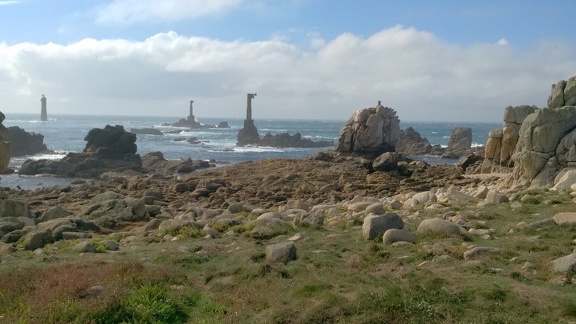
376,225
281,252
53,213
565,264
85,247
437,225
398,235
479,251
35,240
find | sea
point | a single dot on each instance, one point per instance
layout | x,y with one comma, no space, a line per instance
65,133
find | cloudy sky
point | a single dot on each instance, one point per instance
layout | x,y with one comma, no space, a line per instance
448,60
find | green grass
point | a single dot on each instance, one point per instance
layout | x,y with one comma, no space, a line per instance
338,277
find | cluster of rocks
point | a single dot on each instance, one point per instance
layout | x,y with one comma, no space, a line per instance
411,143
110,149
25,143
538,143
189,123
5,146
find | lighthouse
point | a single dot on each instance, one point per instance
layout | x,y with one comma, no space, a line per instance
43,112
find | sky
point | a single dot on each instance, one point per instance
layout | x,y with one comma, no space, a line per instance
445,60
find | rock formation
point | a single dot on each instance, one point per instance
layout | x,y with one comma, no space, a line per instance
5,146
155,161
190,121
146,131
563,93
25,143
107,149
370,132
501,143
411,143
460,142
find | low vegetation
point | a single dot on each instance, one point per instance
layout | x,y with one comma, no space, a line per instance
338,276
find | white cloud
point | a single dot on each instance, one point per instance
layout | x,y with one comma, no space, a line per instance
502,41
414,72
9,2
128,11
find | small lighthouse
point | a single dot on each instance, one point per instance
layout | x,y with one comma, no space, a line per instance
43,112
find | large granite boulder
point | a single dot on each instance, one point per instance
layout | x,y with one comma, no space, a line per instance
411,143
563,93
5,146
25,143
108,149
370,132
501,143
546,144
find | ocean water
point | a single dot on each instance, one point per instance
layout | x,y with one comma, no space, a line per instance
65,133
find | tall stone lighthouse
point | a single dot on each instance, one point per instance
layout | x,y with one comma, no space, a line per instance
43,112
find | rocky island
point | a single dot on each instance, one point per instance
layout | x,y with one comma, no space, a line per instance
359,234
248,135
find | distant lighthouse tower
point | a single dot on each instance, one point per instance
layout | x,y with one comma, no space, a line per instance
191,117
43,112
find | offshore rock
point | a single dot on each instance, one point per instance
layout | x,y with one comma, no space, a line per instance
370,132
25,143
5,146
248,135
287,140
108,149
460,142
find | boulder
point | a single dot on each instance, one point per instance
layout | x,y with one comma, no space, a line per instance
480,251
376,225
565,218
438,226
53,213
565,264
386,162
545,134
281,252
398,235
248,135
370,131
5,145
14,208
25,143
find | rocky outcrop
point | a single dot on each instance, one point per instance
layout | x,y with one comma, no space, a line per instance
460,142
248,135
370,132
25,143
5,146
563,93
411,143
501,143
107,149
546,144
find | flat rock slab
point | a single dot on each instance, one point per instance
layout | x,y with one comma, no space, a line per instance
565,218
565,264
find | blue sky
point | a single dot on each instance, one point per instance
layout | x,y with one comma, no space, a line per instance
319,59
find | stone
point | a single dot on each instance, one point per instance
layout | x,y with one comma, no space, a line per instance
53,213
35,240
375,208
85,247
565,218
376,225
370,131
565,264
438,226
565,179
424,198
398,235
556,98
14,208
495,197
210,231
385,162
358,206
75,235
411,143
479,251
281,252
